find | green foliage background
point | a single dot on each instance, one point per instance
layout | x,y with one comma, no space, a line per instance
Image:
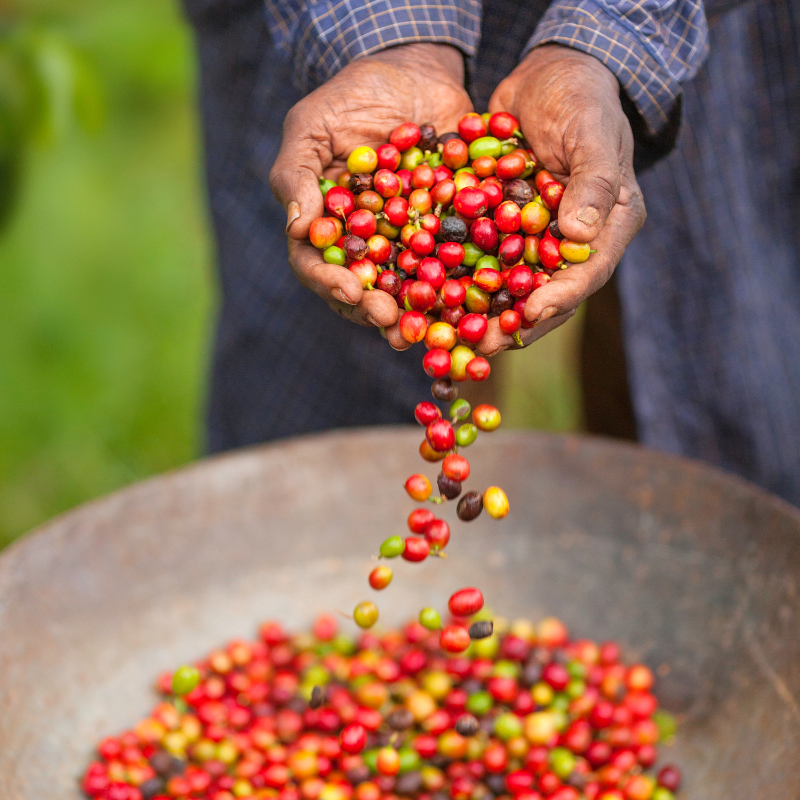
106,282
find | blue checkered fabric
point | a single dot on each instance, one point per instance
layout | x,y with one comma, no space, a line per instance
650,45
710,287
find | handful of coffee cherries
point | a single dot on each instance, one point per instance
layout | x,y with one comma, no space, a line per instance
457,228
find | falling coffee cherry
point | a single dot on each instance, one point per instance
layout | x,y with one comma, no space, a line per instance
448,488
470,506
467,725
482,629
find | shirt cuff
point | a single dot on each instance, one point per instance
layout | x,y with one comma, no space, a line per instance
323,37
650,46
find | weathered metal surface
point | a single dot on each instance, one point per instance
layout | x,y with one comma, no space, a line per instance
695,572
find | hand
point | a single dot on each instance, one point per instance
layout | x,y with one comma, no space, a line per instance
360,105
569,109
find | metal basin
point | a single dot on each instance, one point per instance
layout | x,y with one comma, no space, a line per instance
693,571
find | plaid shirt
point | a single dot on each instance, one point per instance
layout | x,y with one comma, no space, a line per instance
650,45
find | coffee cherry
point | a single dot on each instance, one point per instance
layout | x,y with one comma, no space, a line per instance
512,166
428,453
486,417
421,297
472,328
520,281
185,680
502,301
429,618
436,362
437,535
362,159
531,251
431,270
325,231
470,506
448,488
441,335
471,127
482,629
340,202
422,243
334,255
518,192
454,639
460,356
670,778
452,316
503,125
396,211
388,761
511,250
489,280
495,502
353,738
534,218
477,301
440,435
456,467
365,614
466,435
419,487
467,725
510,322
392,547
360,182
574,252
388,282
419,520
380,577
388,157
426,412
416,549
443,389
465,602
484,234
470,202
366,272
405,136
413,326
453,293
478,369
551,195
459,409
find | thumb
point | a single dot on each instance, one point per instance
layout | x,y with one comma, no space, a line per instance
594,184
294,180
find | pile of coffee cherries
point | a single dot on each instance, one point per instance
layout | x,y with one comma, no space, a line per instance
525,714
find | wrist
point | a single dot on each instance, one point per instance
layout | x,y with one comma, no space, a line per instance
561,62
425,59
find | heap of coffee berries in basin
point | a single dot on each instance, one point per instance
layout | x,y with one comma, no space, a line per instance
526,714
456,705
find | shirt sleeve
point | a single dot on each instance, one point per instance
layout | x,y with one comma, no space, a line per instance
322,36
650,45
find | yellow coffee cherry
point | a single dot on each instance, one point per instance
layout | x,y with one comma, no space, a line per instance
362,159
495,502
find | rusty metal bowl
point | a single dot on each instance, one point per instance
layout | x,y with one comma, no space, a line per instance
693,571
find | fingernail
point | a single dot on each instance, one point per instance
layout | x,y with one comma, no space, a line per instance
550,311
292,213
371,320
343,297
589,216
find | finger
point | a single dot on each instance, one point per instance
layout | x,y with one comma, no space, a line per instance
594,176
395,338
494,341
294,178
379,308
570,287
334,284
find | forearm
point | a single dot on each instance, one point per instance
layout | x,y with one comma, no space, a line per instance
322,38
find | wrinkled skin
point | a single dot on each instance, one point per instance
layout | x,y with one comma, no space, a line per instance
360,105
569,109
